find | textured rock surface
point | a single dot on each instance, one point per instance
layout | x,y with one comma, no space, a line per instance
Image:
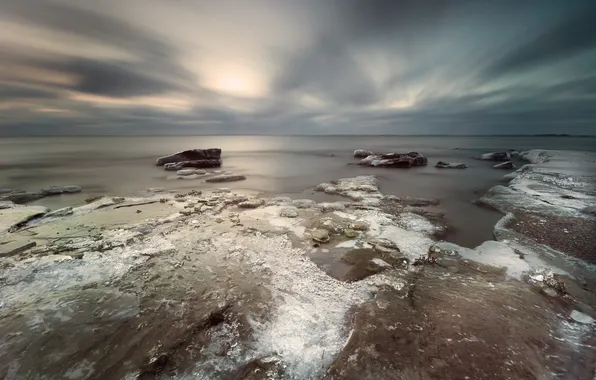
190,155
450,165
226,178
207,163
395,160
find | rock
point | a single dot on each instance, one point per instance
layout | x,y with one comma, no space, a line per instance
326,188
60,213
6,204
12,249
14,217
52,190
93,199
505,165
71,189
156,190
304,203
320,236
190,155
213,163
580,317
251,203
366,262
185,172
6,191
358,226
496,156
288,212
331,206
21,197
395,160
361,153
383,245
351,233
226,178
144,229
279,200
450,165
590,210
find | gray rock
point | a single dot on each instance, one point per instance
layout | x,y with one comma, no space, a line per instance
190,155
590,210
496,156
6,191
6,204
185,172
395,160
52,190
505,165
304,203
361,153
21,197
60,213
321,236
450,165
251,203
144,229
15,248
71,189
212,163
288,212
226,178
580,317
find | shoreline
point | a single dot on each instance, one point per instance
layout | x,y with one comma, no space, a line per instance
234,281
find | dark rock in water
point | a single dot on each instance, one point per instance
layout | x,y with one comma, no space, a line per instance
505,165
361,153
211,163
52,190
6,191
21,197
496,156
366,262
226,178
71,189
395,160
190,155
450,165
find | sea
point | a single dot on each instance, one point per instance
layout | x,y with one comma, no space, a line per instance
275,165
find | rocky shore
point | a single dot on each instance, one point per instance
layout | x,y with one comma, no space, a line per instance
224,285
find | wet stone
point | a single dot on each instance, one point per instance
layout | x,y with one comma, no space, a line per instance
320,236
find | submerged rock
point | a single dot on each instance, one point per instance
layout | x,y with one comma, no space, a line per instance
190,155
211,163
187,172
366,262
57,190
580,317
71,189
226,178
251,203
496,156
21,197
320,236
361,153
288,212
304,203
450,165
505,165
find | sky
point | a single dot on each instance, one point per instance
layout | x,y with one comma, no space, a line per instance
148,67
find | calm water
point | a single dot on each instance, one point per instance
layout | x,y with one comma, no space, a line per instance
290,165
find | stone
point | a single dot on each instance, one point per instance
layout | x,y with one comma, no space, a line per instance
358,226
11,249
226,178
6,204
71,189
505,165
278,200
395,160
251,203
186,172
450,165
6,191
590,210
60,213
366,262
496,156
326,188
190,155
144,229
304,203
14,217
361,153
331,206
383,245
52,190
288,212
21,198
580,317
351,233
213,163
93,198
156,190
320,236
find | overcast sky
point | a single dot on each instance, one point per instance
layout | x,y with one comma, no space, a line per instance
297,67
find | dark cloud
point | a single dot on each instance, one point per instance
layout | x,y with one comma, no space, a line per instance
11,92
571,36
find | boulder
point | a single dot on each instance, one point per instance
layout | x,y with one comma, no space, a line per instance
496,156
52,190
226,178
505,165
320,236
450,165
395,160
251,203
66,211
21,197
190,155
210,163
185,172
71,189
288,212
361,153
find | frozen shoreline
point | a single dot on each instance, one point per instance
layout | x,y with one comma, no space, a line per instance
194,286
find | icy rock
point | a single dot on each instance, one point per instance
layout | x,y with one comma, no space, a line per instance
496,156
187,172
580,317
450,165
361,153
288,212
304,203
331,206
326,188
177,166
395,160
190,155
60,212
505,165
251,203
226,178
